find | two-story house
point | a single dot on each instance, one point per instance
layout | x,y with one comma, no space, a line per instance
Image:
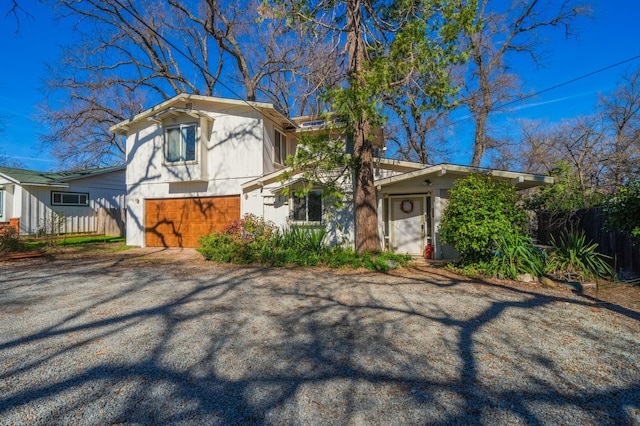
196,163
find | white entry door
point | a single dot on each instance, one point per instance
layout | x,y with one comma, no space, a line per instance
407,218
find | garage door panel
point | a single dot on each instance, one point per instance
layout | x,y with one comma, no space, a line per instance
180,222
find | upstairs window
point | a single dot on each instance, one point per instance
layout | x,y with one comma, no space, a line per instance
308,208
280,144
69,199
181,143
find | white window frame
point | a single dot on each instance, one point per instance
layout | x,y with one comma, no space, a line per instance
62,195
183,149
279,147
1,202
306,219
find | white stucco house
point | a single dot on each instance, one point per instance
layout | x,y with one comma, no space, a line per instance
81,201
195,163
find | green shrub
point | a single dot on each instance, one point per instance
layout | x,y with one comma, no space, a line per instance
516,254
303,239
573,258
219,247
480,211
622,211
300,246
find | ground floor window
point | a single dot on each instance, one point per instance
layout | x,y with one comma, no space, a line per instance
1,202
308,208
69,199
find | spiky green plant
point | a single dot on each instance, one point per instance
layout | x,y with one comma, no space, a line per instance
572,258
516,254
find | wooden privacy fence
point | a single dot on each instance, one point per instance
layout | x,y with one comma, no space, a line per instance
625,256
111,222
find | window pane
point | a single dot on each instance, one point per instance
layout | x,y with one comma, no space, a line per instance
299,209
283,148
276,144
173,144
69,198
315,206
189,140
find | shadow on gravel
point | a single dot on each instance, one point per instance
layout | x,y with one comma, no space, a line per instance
110,340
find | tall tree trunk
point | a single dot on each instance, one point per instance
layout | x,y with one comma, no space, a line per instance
482,108
366,215
479,143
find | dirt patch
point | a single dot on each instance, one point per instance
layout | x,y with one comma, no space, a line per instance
625,295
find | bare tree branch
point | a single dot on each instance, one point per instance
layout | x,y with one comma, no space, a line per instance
488,81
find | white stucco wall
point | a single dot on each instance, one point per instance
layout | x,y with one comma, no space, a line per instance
231,150
275,207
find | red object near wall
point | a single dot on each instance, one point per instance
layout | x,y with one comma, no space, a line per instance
428,251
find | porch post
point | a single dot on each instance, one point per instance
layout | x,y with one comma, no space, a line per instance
380,217
437,216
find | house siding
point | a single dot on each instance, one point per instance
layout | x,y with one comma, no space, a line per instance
105,192
231,153
276,208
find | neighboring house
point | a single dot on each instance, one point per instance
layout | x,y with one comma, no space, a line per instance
83,201
196,163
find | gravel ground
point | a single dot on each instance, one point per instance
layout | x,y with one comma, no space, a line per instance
136,338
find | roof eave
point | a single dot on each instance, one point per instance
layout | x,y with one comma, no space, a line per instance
9,178
123,127
520,180
92,174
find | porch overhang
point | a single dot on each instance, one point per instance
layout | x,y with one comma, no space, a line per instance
519,180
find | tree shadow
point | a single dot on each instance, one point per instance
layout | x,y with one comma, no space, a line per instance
109,340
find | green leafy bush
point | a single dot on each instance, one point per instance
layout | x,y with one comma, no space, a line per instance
481,210
219,247
300,246
573,258
622,211
567,194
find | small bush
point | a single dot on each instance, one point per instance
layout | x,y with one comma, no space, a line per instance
250,228
516,254
219,247
9,240
573,258
621,211
303,239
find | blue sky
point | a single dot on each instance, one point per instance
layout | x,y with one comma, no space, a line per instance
612,36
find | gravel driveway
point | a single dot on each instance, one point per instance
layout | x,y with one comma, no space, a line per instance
133,338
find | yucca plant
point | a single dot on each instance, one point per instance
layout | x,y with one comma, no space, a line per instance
303,239
572,258
516,254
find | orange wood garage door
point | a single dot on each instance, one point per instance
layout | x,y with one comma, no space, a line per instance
179,222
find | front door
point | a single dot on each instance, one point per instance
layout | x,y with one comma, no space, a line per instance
407,220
